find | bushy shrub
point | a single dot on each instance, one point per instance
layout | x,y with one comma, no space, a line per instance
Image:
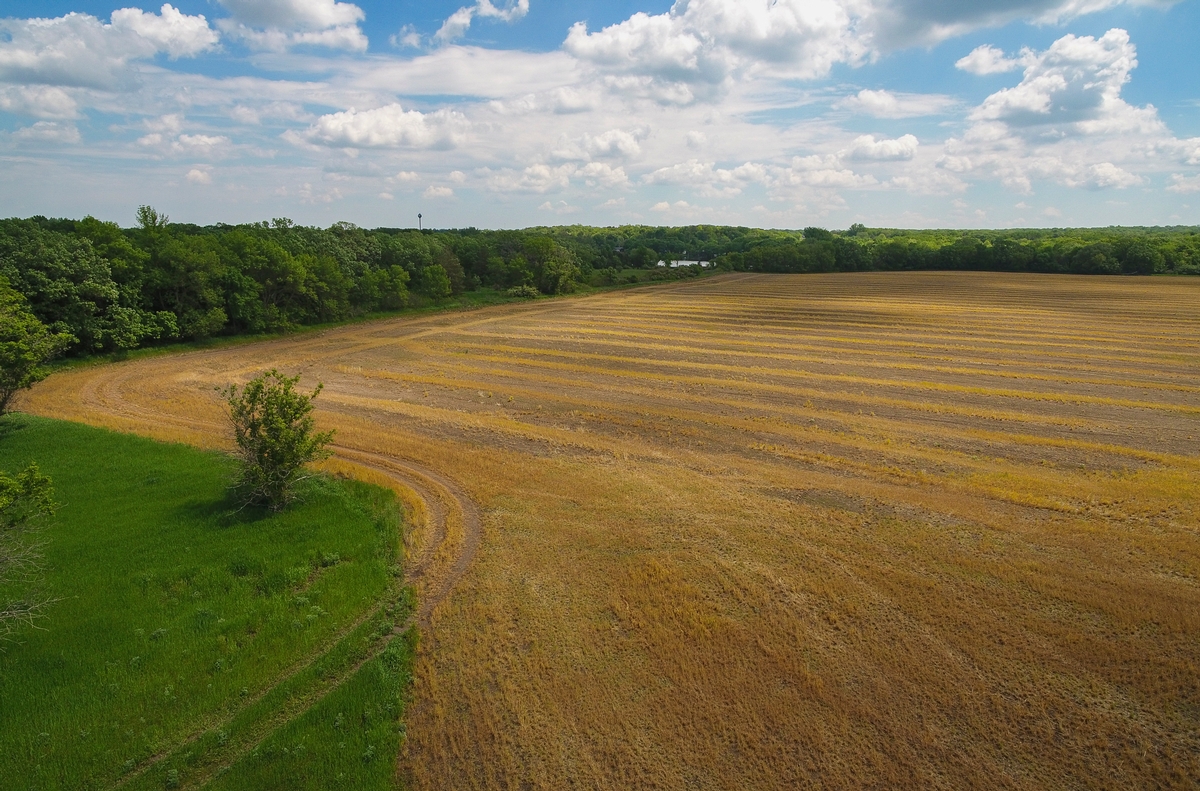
524,292
274,431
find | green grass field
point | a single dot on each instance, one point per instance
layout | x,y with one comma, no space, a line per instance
193,642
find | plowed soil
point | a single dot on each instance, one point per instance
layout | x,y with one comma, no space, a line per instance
910,530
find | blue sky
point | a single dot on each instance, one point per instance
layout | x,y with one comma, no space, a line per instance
511,113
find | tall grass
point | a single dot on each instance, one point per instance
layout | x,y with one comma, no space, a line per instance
175,609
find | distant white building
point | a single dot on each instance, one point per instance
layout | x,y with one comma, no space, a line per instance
683,262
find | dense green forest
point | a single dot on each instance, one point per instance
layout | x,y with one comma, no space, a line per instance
113,288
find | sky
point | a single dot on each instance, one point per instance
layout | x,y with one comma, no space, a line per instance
518,113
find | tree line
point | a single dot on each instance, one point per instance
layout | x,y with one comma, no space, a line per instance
1109,251
104,288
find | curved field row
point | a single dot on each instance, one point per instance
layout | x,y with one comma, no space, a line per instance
898,530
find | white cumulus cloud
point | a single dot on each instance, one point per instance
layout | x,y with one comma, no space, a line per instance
699,45
1079,78
80,50
170,30
1067,122
612,144
390,126
866,147
986,59
39,101
1183,184
601,174
886,104
706,179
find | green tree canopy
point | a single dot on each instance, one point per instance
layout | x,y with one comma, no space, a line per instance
275,434
25,344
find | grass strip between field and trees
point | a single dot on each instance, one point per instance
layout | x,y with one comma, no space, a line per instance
195,639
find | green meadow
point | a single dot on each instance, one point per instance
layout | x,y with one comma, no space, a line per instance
193,643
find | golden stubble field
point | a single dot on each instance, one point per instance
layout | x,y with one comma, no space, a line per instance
920,530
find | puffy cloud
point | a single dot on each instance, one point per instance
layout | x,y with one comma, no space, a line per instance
1184,184
434,191
1099,176
200,145
820,172
603,175
390,126
458,23
40,101
1079,78
708,180
866,147
1066,121
170,30
986,59
613,144
199,176
885,104
696,47
276,25
166,140
1184,151
407,37
81,51
566,100
171,123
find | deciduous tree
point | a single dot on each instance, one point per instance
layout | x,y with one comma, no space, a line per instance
25,344
275,434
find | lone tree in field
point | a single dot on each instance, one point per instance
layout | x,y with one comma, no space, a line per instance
273,427
25,501
25,343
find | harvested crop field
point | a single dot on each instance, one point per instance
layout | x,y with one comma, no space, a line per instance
925,530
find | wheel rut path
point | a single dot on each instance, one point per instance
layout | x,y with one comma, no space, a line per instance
454,531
